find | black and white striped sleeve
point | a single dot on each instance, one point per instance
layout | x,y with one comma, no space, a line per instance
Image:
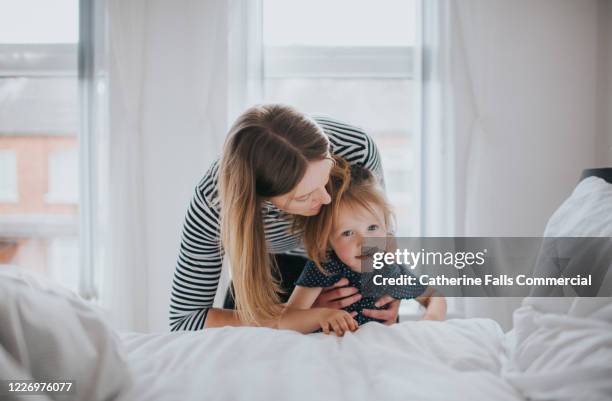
198,268
352,143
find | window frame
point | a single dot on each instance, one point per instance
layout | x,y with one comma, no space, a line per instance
59,60
38,59
340,62
92,34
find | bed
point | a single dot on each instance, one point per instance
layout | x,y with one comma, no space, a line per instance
558,349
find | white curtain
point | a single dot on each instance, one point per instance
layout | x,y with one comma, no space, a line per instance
168,73
508,97
124,270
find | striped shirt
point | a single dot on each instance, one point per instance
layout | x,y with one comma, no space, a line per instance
198,268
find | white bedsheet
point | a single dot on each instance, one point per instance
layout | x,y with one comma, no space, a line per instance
452,360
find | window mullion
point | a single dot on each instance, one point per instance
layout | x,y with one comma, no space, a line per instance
86,153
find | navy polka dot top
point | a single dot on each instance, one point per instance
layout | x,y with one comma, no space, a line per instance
312,277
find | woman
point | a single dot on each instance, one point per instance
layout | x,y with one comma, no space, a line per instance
275,164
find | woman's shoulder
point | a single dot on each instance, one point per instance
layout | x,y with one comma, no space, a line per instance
342,134
351,142
208,186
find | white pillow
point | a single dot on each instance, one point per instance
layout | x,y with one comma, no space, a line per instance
48,333
586,213
562,347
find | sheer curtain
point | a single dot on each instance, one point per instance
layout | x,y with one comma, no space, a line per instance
509,96
123,274
449,120
168,88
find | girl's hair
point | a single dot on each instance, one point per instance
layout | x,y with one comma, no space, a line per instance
266,153
349,186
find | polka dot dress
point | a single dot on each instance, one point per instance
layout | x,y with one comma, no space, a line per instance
312,277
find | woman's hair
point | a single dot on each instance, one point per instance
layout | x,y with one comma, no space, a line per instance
266,154
349,186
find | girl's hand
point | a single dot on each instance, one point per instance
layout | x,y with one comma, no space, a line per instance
338,321
337,296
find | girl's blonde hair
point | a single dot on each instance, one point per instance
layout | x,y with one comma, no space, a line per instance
354,187
266,154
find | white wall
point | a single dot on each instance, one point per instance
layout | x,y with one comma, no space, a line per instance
604,140
533,67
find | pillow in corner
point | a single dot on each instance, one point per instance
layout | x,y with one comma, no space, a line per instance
562,347
49,333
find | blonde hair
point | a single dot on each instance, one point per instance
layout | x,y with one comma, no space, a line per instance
266,154
349,186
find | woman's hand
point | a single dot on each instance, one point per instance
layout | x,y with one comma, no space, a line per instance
338,321
389,315
337,296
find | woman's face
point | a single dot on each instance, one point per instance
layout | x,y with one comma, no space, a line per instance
310,194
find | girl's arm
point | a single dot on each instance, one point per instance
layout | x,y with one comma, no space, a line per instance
301,298
308,320
435,304
299,316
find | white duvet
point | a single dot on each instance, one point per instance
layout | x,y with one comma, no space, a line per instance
453,360
560,349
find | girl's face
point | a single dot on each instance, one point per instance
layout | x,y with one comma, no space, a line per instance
352,227
310,194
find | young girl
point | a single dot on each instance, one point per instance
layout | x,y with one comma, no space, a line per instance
335,240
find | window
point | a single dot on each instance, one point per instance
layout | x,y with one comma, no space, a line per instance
8,176
352,60
41,127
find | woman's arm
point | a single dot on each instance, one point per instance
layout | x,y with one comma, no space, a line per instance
222,317
198,266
